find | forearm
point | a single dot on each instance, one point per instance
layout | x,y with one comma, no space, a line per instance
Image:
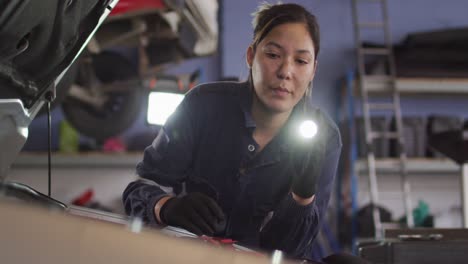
292,227
157,180
296,221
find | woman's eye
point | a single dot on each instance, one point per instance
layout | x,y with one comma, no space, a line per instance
272,55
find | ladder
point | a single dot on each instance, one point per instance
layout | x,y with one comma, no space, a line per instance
371,103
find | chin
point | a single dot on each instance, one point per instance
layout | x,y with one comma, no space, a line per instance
276,106
279,108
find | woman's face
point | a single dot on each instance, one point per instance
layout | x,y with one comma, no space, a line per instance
283,65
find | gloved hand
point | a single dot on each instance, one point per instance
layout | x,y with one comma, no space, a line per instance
305,174
194,212
307,159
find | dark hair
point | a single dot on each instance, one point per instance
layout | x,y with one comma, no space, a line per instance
269,16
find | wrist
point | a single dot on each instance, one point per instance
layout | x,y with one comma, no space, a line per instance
158,206
303,201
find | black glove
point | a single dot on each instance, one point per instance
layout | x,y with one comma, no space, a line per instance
307,159
306,171
194,212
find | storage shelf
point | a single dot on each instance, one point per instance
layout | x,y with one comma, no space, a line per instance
88,159
414,166
421,86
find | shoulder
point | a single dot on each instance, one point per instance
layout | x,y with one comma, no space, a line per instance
211,99
217,90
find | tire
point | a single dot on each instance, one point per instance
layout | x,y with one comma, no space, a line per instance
120,109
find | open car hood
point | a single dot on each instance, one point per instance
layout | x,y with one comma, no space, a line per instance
39,41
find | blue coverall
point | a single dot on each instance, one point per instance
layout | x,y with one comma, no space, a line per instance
207,146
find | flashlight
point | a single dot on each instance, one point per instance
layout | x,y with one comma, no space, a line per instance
308,129
307,156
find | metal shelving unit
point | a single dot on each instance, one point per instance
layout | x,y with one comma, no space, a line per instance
422,86
415,166
408,88
366,87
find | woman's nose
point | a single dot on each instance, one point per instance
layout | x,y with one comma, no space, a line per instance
284,70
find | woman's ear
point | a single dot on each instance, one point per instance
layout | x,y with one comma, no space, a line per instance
250,56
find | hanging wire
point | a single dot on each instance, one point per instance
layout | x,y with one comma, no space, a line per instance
49,98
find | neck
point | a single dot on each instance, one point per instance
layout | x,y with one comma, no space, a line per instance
267,121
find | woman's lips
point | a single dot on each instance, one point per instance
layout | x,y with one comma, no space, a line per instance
280,92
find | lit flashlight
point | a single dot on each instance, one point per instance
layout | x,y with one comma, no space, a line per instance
308,129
